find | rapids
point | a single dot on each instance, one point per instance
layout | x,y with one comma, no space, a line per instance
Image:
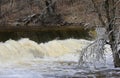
54,59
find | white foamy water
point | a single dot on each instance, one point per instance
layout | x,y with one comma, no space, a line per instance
53,59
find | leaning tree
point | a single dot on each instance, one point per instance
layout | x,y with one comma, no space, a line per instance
108,16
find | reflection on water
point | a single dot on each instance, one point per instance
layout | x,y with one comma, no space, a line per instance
54,59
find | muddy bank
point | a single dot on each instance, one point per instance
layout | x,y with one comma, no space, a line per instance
43,34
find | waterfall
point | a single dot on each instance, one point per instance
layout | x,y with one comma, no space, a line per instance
56,59
25,49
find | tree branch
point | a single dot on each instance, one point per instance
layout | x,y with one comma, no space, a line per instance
115,5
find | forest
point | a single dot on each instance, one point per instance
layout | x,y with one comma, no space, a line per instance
13,12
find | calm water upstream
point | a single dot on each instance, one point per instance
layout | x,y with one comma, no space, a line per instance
54,59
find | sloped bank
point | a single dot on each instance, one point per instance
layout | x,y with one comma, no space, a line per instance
43,34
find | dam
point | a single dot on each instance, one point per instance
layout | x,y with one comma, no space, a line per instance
43,34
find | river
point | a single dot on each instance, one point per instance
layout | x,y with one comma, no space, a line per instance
54,59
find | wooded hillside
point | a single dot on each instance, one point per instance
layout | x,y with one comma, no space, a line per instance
72,11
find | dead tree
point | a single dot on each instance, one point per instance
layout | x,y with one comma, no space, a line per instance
112,35
112,29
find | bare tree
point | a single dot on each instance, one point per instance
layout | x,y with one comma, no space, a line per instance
108,18
112,29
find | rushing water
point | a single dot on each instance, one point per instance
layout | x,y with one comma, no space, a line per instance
54,59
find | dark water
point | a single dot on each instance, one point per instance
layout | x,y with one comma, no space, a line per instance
44,34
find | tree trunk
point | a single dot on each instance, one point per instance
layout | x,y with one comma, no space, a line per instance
116,59
115,51
112,30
